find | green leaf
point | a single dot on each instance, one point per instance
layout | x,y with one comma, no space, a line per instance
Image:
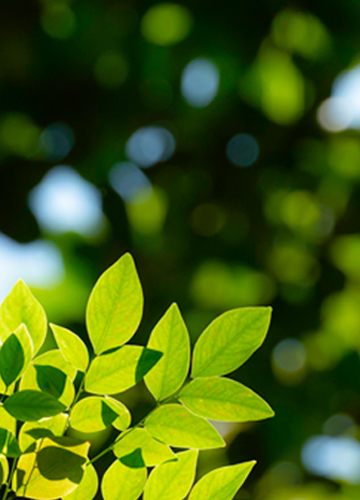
170,337
32,405
230,340
153,451
7,421
120,370
175,425
94,414
115,306
224,399
4,469
15,355
8,444
46,427
50,380
172,480
72,347
20,306
88,486
121,482
56,359
222,483
3,390
54,469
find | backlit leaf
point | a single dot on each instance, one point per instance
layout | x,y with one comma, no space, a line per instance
56,359
220,398
115,306
176,426
230,340
121,482
170,337
4,469
46,427
172,480
222,483
15,355
20,306
120,370
32,405
6,420
8,444
94,414
153,452
72,347
88,486
54,469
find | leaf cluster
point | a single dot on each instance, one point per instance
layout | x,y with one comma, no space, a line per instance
39,401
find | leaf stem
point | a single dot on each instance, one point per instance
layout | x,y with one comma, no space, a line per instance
7,484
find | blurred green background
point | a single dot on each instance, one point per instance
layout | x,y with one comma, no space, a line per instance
219,144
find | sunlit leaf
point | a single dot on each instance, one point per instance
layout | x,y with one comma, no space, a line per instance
94,414
4,469
220,398
15,355
20,306
8,444
29,405
3,390
120,370
170,337
6,420
176,426
153,451
230,340
72,347
54,469
56,359
115,306
121,482
46,427
88,486
172,480
222,483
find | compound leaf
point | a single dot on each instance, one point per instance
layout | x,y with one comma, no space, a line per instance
175,425
170,337
229,341
172,480
120,370
46,427
220,398
94,414
54,469
115,306
32,405
88,486
72,347
15,355
20,306
4,469
121,482
153,452
222,483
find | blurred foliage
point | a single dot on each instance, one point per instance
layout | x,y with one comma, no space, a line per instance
208,229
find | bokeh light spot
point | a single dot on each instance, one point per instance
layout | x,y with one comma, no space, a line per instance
339,425
130,182
150,145
242,150
56,141
166,24
147,218
58,20
19,135
346,88
64,201
289,355
111,69
207,219
200,82
335,114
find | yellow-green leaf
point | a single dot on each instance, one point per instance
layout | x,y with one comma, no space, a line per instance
94,414
7,421
72,347
224,399
172,480
120,370
4,469
170,336
20,306
175,425
121,482
88,486
32,405
8,444
15,355
153,452
46,427
56,359
230,340
223,483
54,469
115,306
